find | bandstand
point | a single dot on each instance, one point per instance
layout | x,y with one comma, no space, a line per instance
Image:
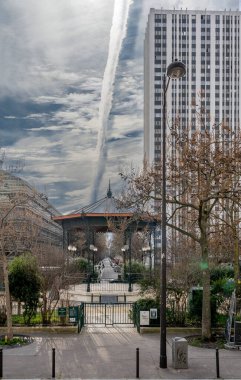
95,218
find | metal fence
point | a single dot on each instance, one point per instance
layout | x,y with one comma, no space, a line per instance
62,316
108,314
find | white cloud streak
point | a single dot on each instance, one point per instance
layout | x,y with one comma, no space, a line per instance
117,34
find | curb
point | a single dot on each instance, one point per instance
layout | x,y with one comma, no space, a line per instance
48,329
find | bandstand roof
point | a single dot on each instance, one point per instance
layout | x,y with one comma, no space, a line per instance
96,215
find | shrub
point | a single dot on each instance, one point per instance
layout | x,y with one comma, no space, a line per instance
25,283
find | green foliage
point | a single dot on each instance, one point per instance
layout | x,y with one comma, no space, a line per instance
36,319
136,271
82,265
222,286
195,307
218,273
25,283
150,284
15,341
143,304
173,319
176,318
146,304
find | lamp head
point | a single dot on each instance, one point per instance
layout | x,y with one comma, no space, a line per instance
146,249
176,70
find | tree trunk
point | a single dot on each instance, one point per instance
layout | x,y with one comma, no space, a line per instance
206,305
44,309
8,298
236,265
206,300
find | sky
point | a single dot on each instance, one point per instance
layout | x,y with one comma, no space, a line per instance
71,91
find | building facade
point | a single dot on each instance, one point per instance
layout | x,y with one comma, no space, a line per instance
29,217
208,43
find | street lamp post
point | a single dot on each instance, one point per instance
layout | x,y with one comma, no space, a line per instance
94,250
124,249
174,71
130,266
88,275
145,250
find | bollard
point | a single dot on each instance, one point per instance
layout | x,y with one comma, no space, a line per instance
217,363
137,363
53,363
1,363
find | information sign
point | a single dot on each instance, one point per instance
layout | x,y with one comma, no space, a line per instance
153,313
73,313
62,311
144,318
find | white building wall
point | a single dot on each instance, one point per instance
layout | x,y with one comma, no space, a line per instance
209,43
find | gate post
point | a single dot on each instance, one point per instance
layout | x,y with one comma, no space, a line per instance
130,268
105,314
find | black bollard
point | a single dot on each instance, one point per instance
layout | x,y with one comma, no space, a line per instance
137,363
1,362
53,363
217,363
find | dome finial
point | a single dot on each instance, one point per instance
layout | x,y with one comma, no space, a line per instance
109,192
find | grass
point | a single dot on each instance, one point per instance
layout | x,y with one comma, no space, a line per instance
35,320
15,341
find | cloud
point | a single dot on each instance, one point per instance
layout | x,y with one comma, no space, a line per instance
53,40
53,56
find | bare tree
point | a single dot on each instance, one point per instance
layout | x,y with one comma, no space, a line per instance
52,268
204,176
13,232
22,226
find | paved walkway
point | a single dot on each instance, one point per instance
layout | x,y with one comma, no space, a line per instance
108,272
110,353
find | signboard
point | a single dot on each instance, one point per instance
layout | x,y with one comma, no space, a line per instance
153,313
73,313
144,318
62,311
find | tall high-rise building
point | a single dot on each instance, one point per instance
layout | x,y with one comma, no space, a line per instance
209,44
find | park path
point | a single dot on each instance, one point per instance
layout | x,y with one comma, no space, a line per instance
109,353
